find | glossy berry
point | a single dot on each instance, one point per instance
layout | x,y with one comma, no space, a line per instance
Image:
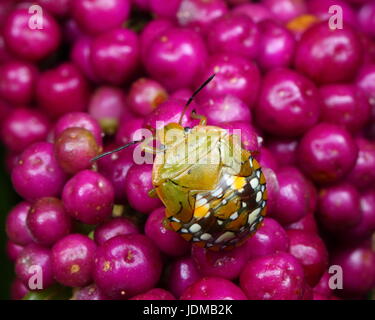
339,207
15,225
48,221
126,266
157,228
326,153
223,264
74,149
31,43
96,16
324,63
277,45
115,55
293,200
311,252
88,197
234,34
174,57
13,250
112,228
22,127
200,15
145,95
213,288
154,294
138,184
73,260
288,103
17,82
61,90
37,173
90,292
79,120
34,260
270,238
182,274
344,105
277,276
234,75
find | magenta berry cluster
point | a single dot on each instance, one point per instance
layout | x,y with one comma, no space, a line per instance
301,92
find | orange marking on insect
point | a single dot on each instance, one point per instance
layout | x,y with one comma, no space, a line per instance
239,183
201,244
175,225
262,179
187,236
201,211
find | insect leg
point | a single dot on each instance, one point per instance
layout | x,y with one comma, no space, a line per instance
202,119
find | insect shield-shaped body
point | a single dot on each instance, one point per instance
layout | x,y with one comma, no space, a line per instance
214,190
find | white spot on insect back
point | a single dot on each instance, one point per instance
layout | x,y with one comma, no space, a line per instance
217,193
258,174
254,183
206,236
195,228
225,237
253,216
201,202
220,222
234,216
251,161
175,219
259,196
184,230
230,180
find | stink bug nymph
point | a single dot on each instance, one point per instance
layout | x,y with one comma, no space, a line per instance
215,201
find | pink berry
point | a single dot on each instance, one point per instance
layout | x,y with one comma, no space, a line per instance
157,228
90,292
269,238
31,43
73,260
35,259
285,10
256,11
115,55
182,274
339,207
112,228
234,75
213,288
326,153
22,127
307,223
249,136
37,173
344,105
126,266
15,225
278,276
154,294
288,103
174,57
56,7
138,184
165,9
293,201
200,15
75,148
284,150
62,90
18,290
357,264
234,34
79,120
96,16
277,45
47,221
88,197
326,64
17,82
363,174
311,252
145,95
13,250
222,264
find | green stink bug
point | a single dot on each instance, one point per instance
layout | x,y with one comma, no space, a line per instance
214,191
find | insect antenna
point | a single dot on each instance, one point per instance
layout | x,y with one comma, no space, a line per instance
194,95
116,150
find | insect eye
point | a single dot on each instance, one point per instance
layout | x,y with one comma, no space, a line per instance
187,129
